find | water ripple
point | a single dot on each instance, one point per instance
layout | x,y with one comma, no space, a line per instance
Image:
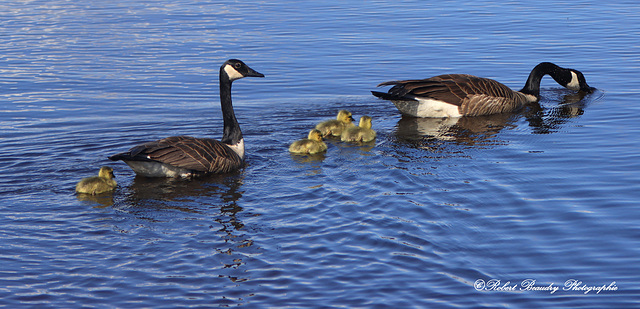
412,220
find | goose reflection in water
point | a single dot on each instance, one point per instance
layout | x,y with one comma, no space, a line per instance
179,194
211,200
550,120
483,130
470,131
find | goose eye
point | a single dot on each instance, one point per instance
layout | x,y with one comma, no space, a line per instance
237,65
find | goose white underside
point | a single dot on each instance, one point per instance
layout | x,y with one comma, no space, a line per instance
157,169
427,108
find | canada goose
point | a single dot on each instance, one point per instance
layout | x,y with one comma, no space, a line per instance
98,184
455,95
188,156
310,145
361,133
334,127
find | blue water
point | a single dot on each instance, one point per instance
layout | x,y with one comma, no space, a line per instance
435,214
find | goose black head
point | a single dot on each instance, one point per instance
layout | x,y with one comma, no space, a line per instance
236,69
568,78
578,82
572,79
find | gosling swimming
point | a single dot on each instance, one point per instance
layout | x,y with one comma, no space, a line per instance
362,133
104,182
334,127
311,145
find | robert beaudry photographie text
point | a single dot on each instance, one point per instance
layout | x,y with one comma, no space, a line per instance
571,285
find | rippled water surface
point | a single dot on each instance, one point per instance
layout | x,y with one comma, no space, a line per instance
479,212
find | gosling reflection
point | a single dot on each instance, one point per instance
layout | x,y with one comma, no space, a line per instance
308,158
103,199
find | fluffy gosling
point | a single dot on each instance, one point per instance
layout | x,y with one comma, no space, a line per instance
98,184
310,145
362,133
334,127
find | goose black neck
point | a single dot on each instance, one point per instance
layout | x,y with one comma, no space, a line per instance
559,74
232,133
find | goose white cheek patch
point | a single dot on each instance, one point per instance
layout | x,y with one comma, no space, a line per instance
574,84
232,73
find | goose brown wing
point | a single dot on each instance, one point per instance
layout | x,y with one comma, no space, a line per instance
198,154
454,89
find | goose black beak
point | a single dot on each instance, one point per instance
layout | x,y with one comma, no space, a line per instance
253,73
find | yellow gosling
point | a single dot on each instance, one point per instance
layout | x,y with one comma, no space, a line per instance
334,127
362,133
104,182
311,145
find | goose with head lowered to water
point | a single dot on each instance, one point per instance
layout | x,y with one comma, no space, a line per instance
456,95
185,156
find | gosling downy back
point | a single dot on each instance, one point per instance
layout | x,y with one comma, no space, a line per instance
310,145
362,133
104,182
335,127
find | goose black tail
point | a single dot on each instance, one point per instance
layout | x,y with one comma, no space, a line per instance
390,97
120,156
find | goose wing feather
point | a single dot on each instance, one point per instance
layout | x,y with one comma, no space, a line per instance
204,155
473,95
451,88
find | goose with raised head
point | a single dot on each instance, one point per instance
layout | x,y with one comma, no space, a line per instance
185,156
311,145
104,182
456,95
334,127
361,133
